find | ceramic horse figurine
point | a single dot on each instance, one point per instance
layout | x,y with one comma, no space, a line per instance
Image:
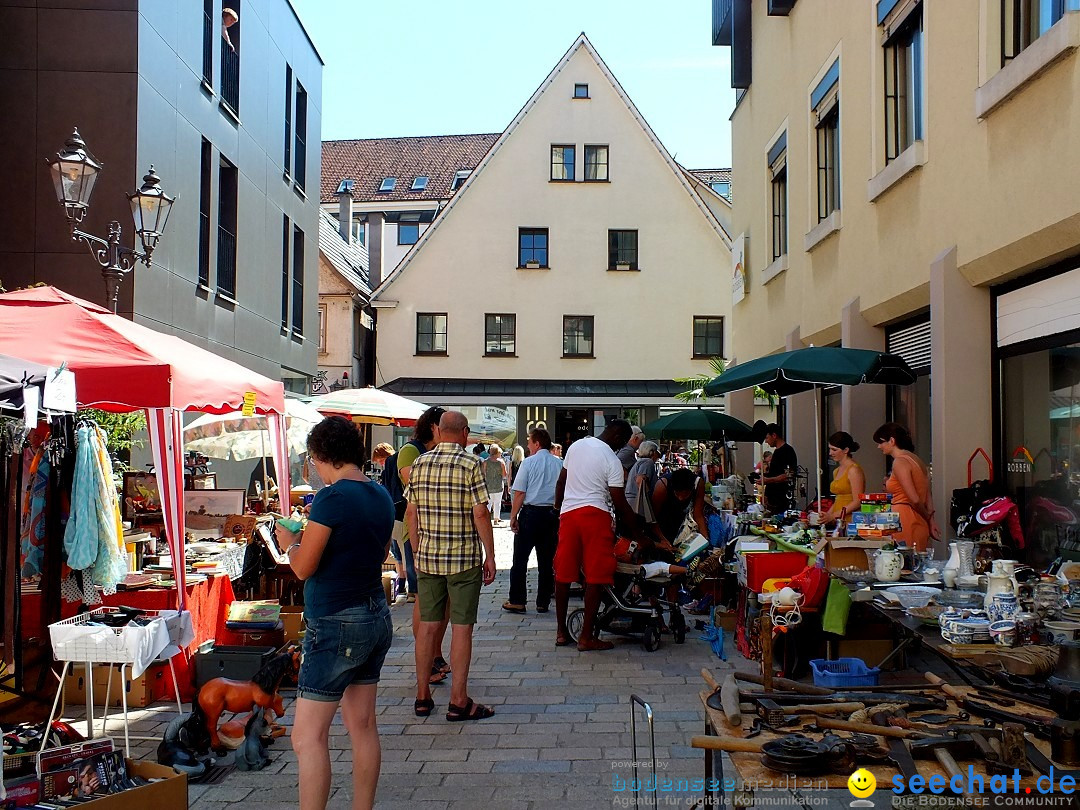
260,693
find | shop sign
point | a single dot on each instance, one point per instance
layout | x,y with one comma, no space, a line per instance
318,383
249,404
59,393
1021,461
738,268
536,416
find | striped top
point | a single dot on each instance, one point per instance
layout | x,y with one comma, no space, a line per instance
445,484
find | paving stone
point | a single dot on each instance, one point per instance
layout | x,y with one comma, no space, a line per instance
528,766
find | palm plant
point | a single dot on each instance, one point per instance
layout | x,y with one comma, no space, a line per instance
695,385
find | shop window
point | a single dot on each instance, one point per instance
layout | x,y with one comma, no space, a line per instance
578,336
500,334
562,162
903,85
623,250
708,336
596,164
431,333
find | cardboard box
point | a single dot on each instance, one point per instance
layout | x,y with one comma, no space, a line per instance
871,651
292,617
170,793
852,554
153,685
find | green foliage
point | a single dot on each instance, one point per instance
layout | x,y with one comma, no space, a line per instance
695,386
120,430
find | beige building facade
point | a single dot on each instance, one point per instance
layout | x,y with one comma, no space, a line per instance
904,182
346,325
577,271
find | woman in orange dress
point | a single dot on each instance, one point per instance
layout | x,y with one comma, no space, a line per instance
909,485
849,480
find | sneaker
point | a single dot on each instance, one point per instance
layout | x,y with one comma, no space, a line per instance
411,597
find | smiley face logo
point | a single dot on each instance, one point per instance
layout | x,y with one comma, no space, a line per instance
861,783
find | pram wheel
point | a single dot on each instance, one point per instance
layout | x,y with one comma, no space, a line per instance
678,627
650,638
574,622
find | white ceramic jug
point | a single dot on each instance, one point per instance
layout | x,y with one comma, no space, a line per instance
887,565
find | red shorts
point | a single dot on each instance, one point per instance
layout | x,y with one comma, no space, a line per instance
586,540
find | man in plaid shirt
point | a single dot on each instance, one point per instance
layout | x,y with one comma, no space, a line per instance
447,512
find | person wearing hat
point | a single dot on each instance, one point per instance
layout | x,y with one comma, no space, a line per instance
628,455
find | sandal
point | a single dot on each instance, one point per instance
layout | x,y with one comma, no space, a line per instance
470,711
563,642
437,676
423,708
442,664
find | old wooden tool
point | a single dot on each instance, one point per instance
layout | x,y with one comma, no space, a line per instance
729,744
870,728
946,750
766,652
727,695
785,684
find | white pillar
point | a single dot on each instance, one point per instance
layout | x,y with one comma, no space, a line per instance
863,406
960,378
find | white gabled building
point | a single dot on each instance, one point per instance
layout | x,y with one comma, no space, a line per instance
573,276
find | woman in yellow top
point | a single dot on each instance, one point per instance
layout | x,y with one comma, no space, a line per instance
849,481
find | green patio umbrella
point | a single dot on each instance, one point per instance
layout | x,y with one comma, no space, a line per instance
806,369
699,423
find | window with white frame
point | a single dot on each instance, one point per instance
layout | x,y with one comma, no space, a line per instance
777,157
903,45
322,328
825,105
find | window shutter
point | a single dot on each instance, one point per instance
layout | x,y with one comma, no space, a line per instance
912,343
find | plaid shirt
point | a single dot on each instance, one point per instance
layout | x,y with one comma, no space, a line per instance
445,484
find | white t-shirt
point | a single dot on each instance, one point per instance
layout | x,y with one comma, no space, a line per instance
591,468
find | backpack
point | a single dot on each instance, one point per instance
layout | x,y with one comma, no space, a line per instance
392,482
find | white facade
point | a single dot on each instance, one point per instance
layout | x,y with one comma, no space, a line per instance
467,265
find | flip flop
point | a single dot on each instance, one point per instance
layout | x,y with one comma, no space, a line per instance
423,708
470,711
563,642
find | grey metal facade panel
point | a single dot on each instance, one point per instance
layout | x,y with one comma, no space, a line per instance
417,386
175,112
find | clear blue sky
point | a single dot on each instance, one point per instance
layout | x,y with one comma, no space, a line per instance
440,67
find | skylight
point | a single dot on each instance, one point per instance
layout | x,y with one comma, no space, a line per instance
459,178
419,183
346,186
388,184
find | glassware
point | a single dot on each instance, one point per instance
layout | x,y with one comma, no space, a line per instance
1047,599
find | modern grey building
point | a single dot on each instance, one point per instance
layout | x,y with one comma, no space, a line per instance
231,120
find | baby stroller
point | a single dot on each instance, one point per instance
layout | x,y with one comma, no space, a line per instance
633,607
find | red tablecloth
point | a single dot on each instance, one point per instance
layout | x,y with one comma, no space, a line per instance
208,602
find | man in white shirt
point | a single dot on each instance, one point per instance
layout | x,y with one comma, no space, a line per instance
589,487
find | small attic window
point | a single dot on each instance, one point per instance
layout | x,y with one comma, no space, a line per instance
459,178
581,91
346,186
388,184
419,183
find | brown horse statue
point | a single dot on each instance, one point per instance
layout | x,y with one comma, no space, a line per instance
225,694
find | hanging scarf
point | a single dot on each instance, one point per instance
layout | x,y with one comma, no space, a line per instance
32,534
93,534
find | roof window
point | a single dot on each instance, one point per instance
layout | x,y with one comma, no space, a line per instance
388,184
346,186
459,178
419,183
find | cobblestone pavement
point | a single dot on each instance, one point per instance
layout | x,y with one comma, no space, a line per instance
560,738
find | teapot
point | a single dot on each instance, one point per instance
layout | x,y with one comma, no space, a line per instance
888,563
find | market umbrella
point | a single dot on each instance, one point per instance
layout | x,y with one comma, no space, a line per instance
233,436
15,376
699,423
370,406
806,369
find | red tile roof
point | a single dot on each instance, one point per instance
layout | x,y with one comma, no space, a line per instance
710,175
368,161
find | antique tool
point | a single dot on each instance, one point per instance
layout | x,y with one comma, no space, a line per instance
1040,726
730,744
769,711
899,754
798,754
913,702
937,718
1013,754
1065,701
981,736
785,684
1042,763
724,698
824,708
870,728
945,750
766,652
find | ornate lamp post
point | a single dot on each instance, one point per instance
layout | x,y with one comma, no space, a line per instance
74,172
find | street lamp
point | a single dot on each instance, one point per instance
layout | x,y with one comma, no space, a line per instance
74,172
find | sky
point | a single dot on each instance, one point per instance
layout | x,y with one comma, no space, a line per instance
443,67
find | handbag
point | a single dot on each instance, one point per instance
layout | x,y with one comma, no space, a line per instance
643,506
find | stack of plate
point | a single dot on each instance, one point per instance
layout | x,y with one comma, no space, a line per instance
980,629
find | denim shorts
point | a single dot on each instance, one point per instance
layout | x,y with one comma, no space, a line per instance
345,648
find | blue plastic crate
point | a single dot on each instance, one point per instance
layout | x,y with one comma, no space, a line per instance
844,672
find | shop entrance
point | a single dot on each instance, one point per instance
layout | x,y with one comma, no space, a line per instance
571,424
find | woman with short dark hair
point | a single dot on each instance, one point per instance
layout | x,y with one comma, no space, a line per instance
339,557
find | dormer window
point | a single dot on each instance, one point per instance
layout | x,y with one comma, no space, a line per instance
459,179
388,184
419,183
581,91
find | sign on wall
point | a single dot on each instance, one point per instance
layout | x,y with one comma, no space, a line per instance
738,268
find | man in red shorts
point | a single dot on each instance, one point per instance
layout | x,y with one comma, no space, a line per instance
589,487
